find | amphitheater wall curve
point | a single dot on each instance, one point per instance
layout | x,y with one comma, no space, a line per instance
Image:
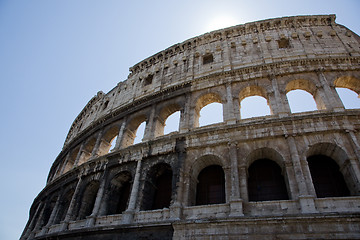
102,185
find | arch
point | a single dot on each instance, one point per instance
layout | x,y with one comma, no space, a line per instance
348,89
253,102
205,100
158,187
172,123
200,164
326,177
69,164
64,206
140,133
131,129
118,193
349,82
252,90
297,91
49,207
88,199
265,181
328,149
107,140
87,150
210,188
349,98
161,120
265,153
341,159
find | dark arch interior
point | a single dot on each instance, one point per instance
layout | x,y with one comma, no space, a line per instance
211,186
88,199
158,190
119,194
327,178
265,181
64,206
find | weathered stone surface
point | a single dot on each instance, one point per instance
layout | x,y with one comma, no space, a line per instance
97,193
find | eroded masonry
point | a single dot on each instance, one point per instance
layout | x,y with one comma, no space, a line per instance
280,176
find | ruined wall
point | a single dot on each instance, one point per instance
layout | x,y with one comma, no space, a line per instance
136,190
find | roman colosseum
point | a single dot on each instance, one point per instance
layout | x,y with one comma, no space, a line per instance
283,175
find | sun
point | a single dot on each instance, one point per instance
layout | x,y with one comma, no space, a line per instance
221,22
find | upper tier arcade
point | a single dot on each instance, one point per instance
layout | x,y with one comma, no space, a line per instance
268,47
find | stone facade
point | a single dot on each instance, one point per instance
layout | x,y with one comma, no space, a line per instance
155,189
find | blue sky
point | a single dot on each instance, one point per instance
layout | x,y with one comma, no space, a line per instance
56,55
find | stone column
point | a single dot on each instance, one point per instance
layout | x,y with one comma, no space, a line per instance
236,203
243,184
307,175
331,99
120,136
32,222
53,214
38,223
79,154
149,128
64,163
282,106
229,115
176,207
306,201
354,160
128,215
90,220
95,150
69,213
185,124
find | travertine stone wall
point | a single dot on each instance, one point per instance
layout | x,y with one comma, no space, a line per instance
267,58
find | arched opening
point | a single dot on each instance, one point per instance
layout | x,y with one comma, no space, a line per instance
87,150
113,143
303,96
327,178
253,102
301,101
172,123
135,130
254,106
88,200
108,140
64,206
349,98
158,188
49,207
139,133
167,120
265,182
118,194
71,159
211,186
211,114
208,110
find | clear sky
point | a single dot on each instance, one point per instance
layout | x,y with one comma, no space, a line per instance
55,55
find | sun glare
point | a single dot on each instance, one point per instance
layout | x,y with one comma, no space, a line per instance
221,22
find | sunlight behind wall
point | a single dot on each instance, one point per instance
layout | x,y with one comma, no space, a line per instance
210,114
172,123
254,106
349,98
301,101
140,133
113,143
